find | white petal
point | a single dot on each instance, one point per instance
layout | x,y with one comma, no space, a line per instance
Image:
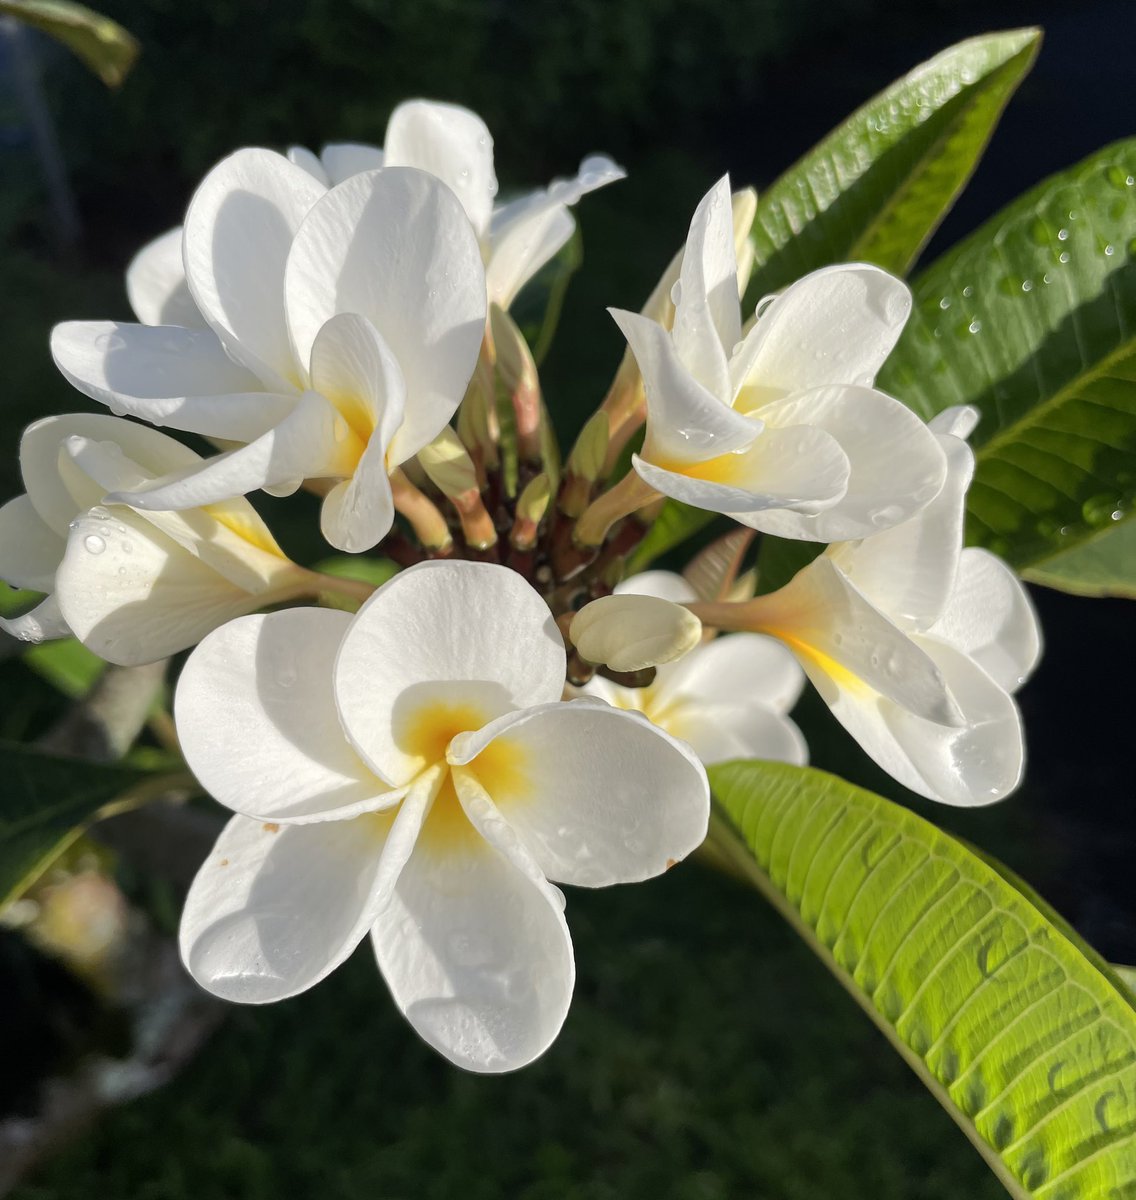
958,421
798,467
471,640
686,423
276,908
629,632
258,725
230,537
30,550
707,321
908,571
735,668
308,443
353,367
303,158
156,286
526,233
834,326
597,795
474,948
167,376
719,731
133,595
57,489
450,143
341,160
536,228
666,585
990,617
395,247
897,464
358,512
847,646
41,624
238,230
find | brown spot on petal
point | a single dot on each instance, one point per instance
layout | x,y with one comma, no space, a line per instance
271,827
224,862
670,863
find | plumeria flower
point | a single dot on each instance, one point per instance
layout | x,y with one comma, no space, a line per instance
781,429
451,142
132,586
726,698
412,773
917,644
342,329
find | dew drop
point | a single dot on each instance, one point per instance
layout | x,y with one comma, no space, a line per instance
968,291
676,293
1062,234
1027,285
94,544
1063,257
1109,250
945,303
127,547
975,326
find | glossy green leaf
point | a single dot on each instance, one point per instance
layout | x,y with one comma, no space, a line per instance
779,559
101,43
360,567
46,802
67,665
876,188
1026,1036
674,524
1102,565
537,308
1033,319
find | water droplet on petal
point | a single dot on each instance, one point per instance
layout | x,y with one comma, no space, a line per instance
94,544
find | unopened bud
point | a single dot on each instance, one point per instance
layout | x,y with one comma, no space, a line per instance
448,464
632,632
588,454
531,507
516,369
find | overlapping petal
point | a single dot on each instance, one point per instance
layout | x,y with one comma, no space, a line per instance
454,642
156,285
395,247
30,549
257,717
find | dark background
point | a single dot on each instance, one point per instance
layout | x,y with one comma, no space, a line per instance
706,1055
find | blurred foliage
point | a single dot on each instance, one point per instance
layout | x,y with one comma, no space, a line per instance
743,1072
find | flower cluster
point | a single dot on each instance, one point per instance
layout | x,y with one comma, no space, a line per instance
423,762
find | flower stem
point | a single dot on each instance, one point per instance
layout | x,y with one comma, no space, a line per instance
620,501
425,517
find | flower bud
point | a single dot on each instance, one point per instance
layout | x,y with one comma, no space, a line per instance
630,632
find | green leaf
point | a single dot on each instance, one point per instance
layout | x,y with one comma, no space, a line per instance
45,804
100,42
674,524
1023,1033
360,567
536,309
1104,565
1033,320
779,559
67,665
876,188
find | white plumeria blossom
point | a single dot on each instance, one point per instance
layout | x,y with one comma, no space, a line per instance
782,429
132,586
453,143
726,698
629,631
339,330
411,772
917,644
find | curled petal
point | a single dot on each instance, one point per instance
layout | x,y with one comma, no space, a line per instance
443,645
30,549
133,595
41,624
395,247
707,322
666,585
989,616
156,286
896,463
258,724
596,794
167,376
630,632
238,231
452,144
734,669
